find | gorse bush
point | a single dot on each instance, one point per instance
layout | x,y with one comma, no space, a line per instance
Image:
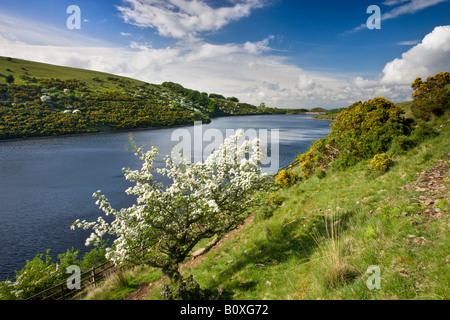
380,163
286,177
361,131
431,98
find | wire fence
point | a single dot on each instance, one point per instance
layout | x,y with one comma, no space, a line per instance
87,279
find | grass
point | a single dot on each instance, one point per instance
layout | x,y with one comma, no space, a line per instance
19,68
319,243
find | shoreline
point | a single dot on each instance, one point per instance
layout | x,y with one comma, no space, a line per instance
138,129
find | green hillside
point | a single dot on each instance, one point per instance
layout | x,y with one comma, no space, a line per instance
377,228
24,71
38,99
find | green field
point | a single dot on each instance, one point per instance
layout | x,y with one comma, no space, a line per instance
21,69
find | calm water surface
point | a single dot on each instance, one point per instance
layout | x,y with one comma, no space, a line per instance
46,184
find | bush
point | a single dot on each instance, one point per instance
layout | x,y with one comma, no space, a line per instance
286,178
361,131
186,289
422,132
275,198
380,163
431,98
41,273
402,144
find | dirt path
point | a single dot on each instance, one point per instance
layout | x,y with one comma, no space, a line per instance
432,186
143,290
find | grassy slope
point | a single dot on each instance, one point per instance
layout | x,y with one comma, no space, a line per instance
20,67
292,255
320,241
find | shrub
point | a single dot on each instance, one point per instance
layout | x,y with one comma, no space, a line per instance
41,273
422,132
401,144
431,98
187,289
286,177
275,198
361,131
380,163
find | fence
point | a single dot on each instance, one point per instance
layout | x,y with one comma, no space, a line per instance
87,279
91,277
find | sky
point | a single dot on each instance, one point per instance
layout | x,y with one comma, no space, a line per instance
285,53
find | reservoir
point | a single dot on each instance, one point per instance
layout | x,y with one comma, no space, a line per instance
46,184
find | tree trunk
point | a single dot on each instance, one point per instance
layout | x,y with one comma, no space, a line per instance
173,274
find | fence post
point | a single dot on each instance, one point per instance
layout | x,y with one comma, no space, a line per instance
93,276
62,291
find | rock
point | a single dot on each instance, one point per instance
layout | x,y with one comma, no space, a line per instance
404,213
212,243
198,252
411,236
230,261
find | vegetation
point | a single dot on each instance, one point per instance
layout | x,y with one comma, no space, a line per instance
360,132
431,98
41,273
43,100
374,192
203,200
317,238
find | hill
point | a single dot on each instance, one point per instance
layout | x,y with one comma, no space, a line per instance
38,99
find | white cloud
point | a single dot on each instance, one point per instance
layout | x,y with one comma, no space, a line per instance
409,8
427,58
250,71
394,2
183,18
305,83
409,43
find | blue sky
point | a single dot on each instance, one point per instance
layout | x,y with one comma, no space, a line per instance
286,53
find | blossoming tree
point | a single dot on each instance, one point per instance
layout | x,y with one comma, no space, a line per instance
203,200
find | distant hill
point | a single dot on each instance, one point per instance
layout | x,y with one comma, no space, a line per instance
38,99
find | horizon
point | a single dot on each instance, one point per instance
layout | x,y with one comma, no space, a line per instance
287,54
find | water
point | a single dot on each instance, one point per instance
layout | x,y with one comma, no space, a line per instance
46,184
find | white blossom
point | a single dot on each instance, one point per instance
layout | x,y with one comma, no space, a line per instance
203,199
